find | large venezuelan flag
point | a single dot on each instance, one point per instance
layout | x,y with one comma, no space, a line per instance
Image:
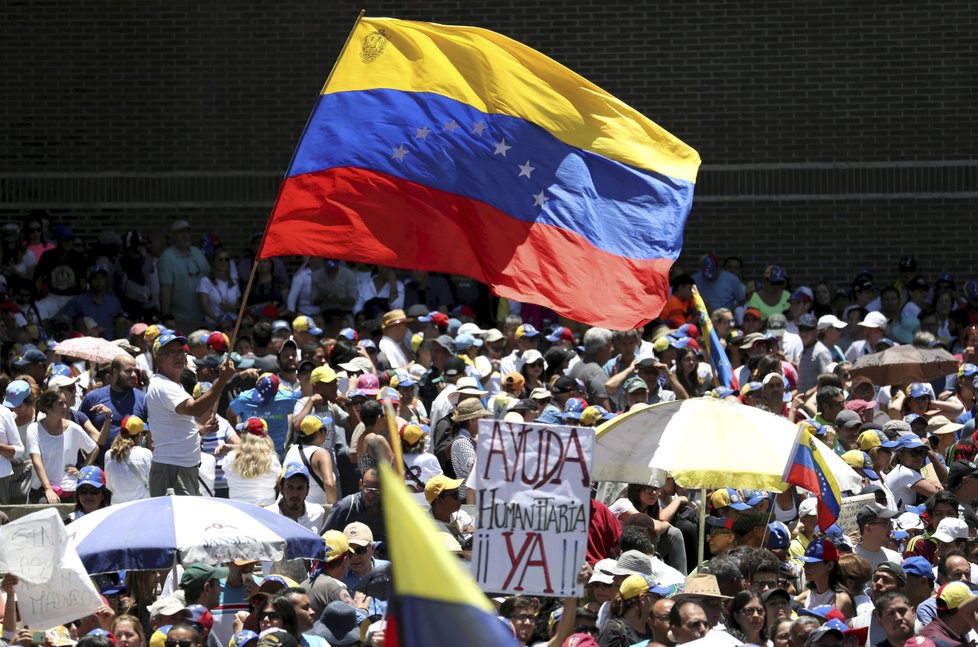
434,600
458,150
809,469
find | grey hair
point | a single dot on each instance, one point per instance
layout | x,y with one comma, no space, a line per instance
512,320
596,338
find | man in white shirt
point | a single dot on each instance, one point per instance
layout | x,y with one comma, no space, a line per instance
392,343
292,503
875,525
873,326
173,417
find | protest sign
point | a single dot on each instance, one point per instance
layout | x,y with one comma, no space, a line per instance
532,505
847,512
54,587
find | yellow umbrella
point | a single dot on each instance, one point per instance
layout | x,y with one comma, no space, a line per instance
701,443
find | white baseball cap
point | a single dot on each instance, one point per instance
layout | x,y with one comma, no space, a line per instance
950,529
808,507
874,320
830,321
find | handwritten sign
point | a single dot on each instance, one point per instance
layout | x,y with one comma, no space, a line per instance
847,511
533,483
54,588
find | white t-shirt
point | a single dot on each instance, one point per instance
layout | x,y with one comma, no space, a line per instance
313,519
316,494
58,453
427,464
900,480
792,346
877,557
394,352
176,440
218,291
120,479
9,435
259,491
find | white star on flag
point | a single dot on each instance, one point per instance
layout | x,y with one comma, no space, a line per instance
540,200
450,126
525,169
399,153
423,133
478,127
501,148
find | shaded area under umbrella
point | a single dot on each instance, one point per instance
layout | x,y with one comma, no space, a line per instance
904,364
93,349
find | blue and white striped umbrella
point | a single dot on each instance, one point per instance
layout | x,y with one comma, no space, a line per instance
157,533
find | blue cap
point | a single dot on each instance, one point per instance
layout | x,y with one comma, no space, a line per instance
918,566
349,334
820,551
402,380
917,390
17,392
367,343
910,441
59,369
242,638
913,417
778,536
899,535
101,632
165,338
90,475
776,274
466,341
294,469
835,623
916,509
821,611
722,392
453,326
835,531
573,409
33,356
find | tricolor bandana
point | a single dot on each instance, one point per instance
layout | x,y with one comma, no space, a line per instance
267,387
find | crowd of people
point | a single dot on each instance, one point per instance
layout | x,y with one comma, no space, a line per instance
290,415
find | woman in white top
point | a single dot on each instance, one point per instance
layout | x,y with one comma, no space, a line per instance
318,460
252,469
53,444
127,463
419,465
218,293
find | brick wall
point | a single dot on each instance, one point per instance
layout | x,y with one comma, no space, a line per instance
143,88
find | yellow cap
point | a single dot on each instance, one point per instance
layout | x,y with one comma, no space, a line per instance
438,484
337,544
310,425
634,586
322,374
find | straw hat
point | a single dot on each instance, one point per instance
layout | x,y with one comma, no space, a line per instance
469,409
703,585
395,317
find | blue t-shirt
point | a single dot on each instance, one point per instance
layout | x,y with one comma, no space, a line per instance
726,291
275,413
121,403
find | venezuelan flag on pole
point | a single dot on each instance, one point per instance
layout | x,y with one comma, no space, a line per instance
723,374
456,149
809,469
434,600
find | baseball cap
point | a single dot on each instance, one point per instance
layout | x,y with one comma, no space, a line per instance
198,573
440,319
179,225
566,384
526,330
402,380
455,366
871,438
165,338
960,469
950,529
720,522
295,469
388,393
807,320
952,595
634,384
266,387
820,551
311,424
168,606
91,475
359,534
368,383
635,585
808,507
728,497
132,426
412,432
775,274
201,615
137,329
830,321
874,320
242,638
322,374
803,293
17,391
594,414
860,460
918,566
871,512
350,334
573,409
910,441
438,484
776,324
33,356
560,333
917,390
778,536
603,572
847,419
337,544
304,323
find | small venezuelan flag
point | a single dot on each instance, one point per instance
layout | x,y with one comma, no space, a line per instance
456,149
809,469
434,600
723,373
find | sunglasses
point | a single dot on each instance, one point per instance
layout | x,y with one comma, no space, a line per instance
269,615
360,550
177,643
88,491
